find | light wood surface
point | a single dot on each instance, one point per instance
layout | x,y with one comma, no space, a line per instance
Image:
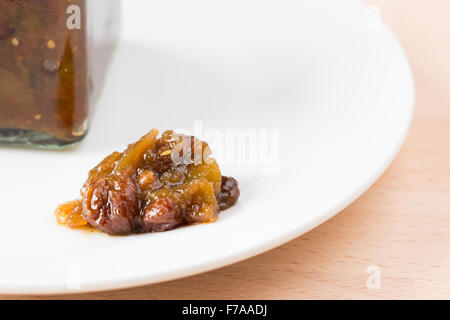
401,225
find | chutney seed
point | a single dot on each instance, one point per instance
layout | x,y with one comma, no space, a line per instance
51,44
15,42
166,153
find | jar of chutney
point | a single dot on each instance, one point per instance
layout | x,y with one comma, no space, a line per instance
52,64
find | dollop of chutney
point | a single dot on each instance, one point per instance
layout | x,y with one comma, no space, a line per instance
155,185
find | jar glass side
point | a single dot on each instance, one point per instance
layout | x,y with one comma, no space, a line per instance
45,88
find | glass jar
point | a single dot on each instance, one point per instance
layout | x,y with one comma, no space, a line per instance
53,55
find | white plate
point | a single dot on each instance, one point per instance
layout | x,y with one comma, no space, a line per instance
327,75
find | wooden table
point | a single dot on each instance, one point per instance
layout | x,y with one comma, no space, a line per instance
401,225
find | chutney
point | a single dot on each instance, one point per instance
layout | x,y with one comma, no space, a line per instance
155,185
